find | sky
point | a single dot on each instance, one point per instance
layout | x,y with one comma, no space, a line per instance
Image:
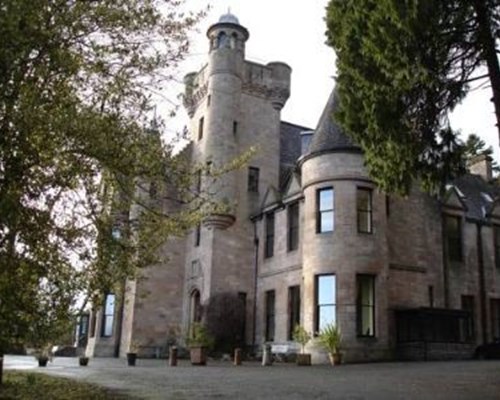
293,31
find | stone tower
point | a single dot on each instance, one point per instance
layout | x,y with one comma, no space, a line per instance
345,232
234,105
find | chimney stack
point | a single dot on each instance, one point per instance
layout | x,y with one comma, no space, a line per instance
481,165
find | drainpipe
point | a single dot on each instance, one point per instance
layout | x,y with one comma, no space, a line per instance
256,271
482,283
446,290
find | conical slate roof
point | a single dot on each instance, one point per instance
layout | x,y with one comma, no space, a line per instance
329,136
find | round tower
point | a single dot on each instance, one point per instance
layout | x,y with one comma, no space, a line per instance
345,260
216,94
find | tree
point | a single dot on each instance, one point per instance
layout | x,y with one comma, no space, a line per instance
77,85
402,66
225,320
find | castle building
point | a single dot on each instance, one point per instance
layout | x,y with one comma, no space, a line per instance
308,238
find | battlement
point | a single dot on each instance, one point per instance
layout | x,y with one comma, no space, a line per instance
270,81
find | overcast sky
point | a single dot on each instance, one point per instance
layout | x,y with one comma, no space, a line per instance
293,31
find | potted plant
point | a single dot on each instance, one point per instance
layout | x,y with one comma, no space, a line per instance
132,353
301,336
199,342
330,339
43,355
83,361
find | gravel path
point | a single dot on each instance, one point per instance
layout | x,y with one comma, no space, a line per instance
153,379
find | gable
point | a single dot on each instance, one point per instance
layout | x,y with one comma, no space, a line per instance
453,198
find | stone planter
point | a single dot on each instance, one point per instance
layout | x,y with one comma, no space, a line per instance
198,355
303,359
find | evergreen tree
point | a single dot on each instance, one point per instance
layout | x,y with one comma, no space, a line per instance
402,66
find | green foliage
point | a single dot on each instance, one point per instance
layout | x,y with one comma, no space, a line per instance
402,66
77,86
330,338
301,336
30,386
200,336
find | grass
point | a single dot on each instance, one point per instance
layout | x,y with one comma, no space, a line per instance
31,386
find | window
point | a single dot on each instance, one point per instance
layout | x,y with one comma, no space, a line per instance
325,301
198,182
365,305
195,307
209,100
253,179
108,315
200,128
453,232
242,296
468,305
293,309
364,207
325,206
431,295
222,40
270,303
495,318
197,235
235,127
293,226
496,238
269,245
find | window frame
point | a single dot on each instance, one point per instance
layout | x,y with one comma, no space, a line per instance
361,307
293,214
320,212
270,222
270,315
253,179
108,318
201,128
197,235
368,211
455,239
293,309
318,306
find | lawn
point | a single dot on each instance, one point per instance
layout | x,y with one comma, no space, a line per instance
31,386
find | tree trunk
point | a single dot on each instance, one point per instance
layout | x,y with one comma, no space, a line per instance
487,43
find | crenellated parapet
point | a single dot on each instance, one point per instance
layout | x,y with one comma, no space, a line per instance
196,88
271,81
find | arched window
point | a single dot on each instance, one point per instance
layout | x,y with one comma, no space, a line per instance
195,307
222,40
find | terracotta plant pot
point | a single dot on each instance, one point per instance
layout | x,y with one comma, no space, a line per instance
335,358
198,355
303,359
131,359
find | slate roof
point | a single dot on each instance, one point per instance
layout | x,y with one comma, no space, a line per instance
290,149
478,195
329,136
